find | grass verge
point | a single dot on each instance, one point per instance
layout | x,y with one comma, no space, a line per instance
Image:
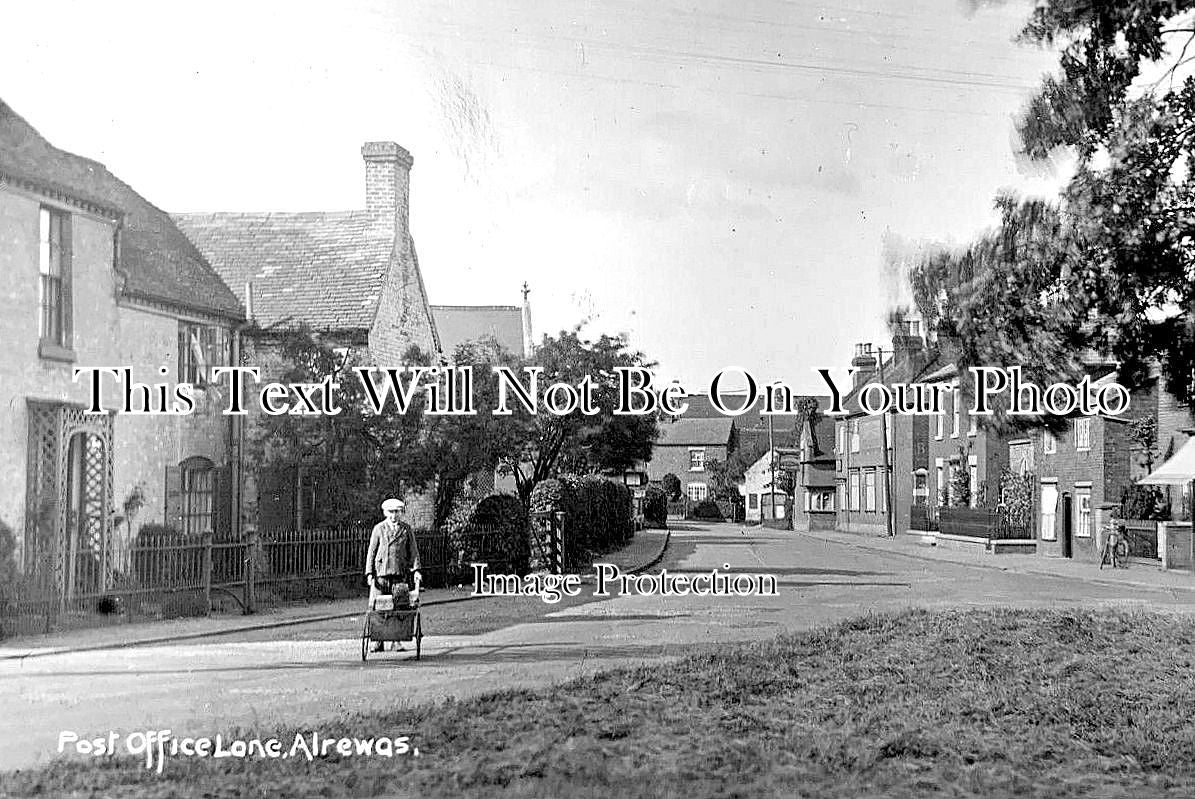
978,703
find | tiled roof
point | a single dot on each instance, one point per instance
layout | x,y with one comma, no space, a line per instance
160,264
695,432
700,406
461,323
325,269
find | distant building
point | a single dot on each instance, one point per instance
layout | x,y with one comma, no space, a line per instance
686,447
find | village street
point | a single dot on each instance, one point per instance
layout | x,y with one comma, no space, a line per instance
298,675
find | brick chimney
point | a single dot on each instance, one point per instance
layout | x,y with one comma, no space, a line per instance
864,364
908,342
388,183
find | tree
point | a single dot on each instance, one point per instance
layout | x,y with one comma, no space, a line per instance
671,485
1109,265
726,475
577,443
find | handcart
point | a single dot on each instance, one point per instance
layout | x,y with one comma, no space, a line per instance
396,620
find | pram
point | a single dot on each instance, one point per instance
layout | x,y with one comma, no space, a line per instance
392,618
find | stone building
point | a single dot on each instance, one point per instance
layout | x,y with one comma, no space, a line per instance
351,277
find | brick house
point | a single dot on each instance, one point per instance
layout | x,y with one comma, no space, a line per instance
957,441
1091,464
686,447
97,276
352,277
863,471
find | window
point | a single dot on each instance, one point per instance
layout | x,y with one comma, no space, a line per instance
841,494
854,490
54,278
822,499
869,491
697,460
1049,444
1084,522
1049,505
696,492
201,348
955,398
753,501
941,485
1083,434
939,427
198,497
972,424
842,437
973,480
855,435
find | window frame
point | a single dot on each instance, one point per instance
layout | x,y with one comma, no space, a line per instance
193,516
1083,514
853,490
696,459
700,489
215,349
55,318
1049,443
1083,442
869,491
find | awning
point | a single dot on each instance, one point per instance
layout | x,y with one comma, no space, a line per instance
1179,469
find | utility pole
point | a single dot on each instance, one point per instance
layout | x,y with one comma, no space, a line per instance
888,521
772,458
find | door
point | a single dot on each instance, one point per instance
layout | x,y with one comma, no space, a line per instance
1068,527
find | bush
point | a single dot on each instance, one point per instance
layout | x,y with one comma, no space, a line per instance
655,507
1144,502
671,485
8,574
499,532
707,509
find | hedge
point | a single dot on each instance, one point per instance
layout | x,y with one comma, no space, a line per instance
655,507
503,517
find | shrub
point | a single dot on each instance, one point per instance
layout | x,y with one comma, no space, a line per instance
8,574
501,533
655,507
707,509
671,485
1144,502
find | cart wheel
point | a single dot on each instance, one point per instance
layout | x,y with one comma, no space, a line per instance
365,642
418,635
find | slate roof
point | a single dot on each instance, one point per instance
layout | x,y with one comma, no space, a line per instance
461,323
325,269
688,432
158,261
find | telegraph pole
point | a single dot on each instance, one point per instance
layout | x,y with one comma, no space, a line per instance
772,458
888,521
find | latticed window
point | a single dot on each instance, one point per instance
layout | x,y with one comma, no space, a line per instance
54,269
198,496
201,348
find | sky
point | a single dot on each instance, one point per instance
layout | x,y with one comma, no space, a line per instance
718,181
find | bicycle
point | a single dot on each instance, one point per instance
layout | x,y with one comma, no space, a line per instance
1116,549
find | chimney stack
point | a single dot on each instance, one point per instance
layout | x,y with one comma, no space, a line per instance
388,184
864,364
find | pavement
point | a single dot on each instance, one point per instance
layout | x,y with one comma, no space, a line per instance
1137,574
643,551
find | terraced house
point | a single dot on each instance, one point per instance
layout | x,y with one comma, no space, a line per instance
95,275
